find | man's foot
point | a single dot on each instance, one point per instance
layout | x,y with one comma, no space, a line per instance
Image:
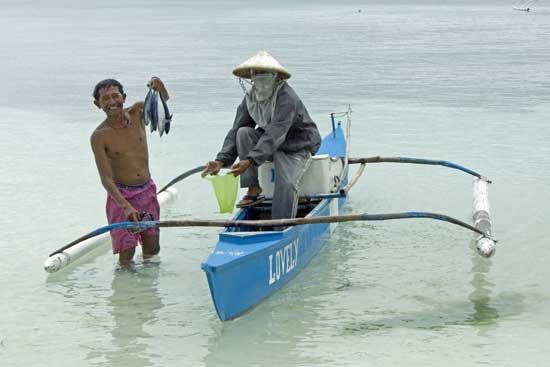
250,200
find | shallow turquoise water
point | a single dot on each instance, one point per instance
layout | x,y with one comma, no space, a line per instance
458,81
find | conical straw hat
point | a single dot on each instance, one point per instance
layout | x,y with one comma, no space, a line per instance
261,61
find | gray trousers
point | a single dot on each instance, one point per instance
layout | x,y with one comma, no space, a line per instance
289,170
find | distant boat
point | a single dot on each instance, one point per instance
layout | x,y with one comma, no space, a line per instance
523,5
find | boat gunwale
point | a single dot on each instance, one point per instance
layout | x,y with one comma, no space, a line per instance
290,232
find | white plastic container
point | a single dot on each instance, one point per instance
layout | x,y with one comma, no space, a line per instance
321,176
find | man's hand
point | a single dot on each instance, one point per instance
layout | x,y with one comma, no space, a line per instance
240,167
212,168
131,213
133,216
157,84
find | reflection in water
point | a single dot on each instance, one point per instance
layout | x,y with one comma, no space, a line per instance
484,315
283,327
134,301
278,329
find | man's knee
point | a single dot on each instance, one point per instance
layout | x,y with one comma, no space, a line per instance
285,187
152,250
126,255
150,245
245,133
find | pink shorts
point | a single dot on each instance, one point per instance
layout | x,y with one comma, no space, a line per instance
144,199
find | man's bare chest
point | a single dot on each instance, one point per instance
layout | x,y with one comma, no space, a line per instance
127,142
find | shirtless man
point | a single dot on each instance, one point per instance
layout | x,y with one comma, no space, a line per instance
120,149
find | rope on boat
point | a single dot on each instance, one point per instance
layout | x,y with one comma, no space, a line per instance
348,138
447,164
274,223
353,180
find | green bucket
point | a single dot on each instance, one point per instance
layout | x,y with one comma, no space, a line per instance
225,188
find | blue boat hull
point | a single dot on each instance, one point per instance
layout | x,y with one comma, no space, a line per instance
247,267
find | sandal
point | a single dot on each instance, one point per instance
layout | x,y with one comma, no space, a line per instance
250,200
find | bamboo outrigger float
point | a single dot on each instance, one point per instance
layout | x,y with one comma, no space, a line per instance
255,256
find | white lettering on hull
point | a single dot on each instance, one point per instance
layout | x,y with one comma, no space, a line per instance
283,261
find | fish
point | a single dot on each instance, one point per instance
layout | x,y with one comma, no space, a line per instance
164,126
147,108
154,111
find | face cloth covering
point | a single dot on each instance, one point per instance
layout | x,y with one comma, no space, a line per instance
264,85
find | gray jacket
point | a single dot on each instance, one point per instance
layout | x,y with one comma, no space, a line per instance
291,130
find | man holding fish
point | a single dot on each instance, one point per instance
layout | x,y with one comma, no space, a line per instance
121,154
272,124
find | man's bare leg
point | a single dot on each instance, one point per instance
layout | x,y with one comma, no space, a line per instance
254,191
150,246
126,256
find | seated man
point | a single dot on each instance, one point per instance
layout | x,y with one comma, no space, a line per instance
272,124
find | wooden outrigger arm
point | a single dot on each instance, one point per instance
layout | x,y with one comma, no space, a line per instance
480,215
273,223
432,162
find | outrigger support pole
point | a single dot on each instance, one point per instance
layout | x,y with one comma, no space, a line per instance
182,176
432,162
271,223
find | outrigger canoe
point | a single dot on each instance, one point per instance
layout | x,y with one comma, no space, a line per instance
249,264
255,256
